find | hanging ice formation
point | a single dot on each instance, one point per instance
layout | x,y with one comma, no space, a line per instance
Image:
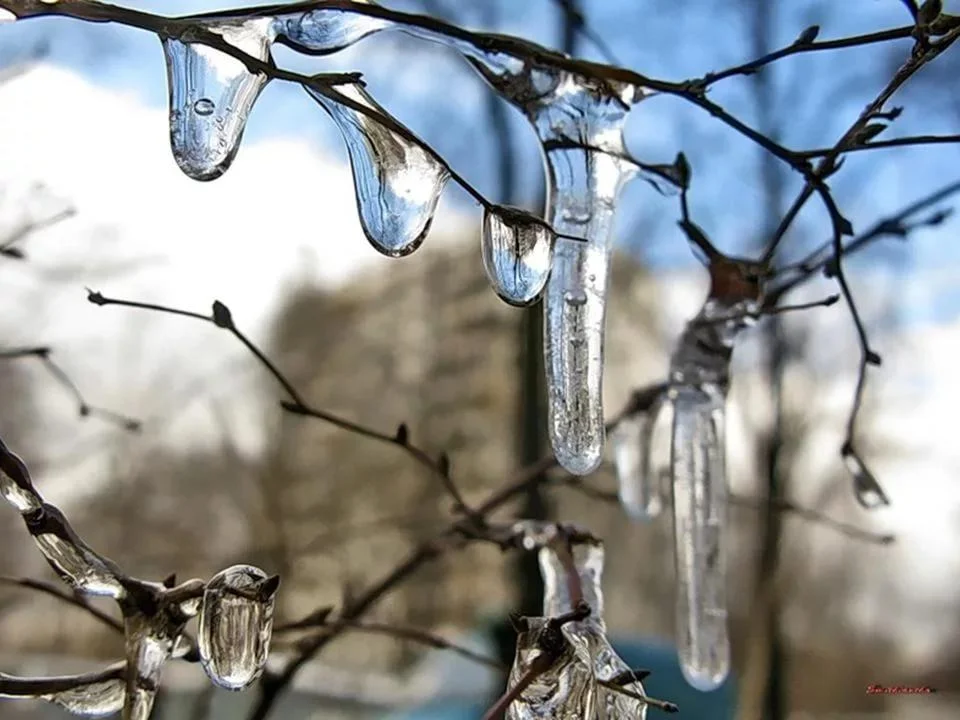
700,379
235,626
639,486
212,93
579,122
571,563
236,622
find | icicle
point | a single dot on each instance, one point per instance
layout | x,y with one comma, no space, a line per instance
92,695
700,378
397,182
74,561
517,251
699,506
571,564
325,30
211,95
236,622
639,485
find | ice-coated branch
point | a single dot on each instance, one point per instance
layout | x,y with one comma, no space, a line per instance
235,609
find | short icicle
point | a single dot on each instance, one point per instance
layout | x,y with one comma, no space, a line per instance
571,564
236,622
638,483
700,380
517,252
397,182
211,94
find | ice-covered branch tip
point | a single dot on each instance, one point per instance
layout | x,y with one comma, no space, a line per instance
235,609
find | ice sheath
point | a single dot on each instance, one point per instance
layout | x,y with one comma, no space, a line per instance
569,689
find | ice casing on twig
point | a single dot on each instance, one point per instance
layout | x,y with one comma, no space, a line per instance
571,571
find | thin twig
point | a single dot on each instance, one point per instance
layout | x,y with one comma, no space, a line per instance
67,597
84,409
222,318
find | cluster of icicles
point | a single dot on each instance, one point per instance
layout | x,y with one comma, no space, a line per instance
235,609
398,179
568,688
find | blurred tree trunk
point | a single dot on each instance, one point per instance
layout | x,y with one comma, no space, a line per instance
763,691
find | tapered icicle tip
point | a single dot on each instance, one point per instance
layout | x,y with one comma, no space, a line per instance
397,182
517,252
579,456
705,679
211,95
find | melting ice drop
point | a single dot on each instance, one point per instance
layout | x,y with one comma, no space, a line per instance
212,93
397,182
236,622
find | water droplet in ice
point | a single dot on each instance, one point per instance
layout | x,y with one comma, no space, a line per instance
236,622
204,106
211,95
517,250
325,30
699,508
96,694
397,182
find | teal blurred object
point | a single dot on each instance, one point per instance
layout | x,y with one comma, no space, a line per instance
665,682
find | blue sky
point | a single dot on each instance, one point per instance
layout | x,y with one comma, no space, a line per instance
817,96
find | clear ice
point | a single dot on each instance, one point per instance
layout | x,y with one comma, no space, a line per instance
569,689
91,695
637,482
700,379
72,559
212,93
569,112
236,622
517,252
582,189
397,182
321,31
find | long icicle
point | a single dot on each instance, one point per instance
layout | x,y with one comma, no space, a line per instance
700,380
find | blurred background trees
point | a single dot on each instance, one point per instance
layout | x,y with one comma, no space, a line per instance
219,474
